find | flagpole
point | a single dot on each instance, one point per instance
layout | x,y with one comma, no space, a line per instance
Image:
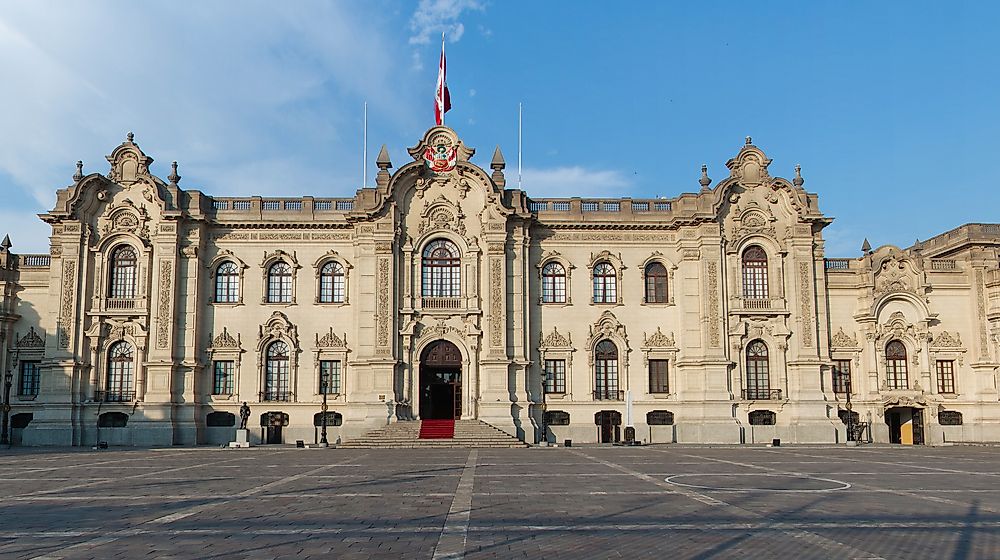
519,146
445,70
364,162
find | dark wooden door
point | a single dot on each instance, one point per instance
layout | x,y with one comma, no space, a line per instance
441,381
895,433
918,426
274,434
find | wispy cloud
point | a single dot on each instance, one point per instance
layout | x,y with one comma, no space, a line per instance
573,181
433,17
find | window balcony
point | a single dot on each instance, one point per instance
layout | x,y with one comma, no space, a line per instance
276,396
609,395
441,302
760,305
762,394
122,305
114,396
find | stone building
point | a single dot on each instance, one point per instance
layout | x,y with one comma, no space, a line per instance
440,293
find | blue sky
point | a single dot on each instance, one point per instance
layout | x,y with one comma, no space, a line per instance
890,107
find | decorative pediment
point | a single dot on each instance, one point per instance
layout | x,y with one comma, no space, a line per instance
658,340
438,330
946,340
607,326
331,340
128,164
750,165
225,340
31,341
555,339
607,256
895,272
753,219
125,217
440,150
278,327
271,256
441,214
842,340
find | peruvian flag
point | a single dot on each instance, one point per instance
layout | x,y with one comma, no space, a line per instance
442,99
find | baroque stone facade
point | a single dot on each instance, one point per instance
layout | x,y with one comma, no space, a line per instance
711,317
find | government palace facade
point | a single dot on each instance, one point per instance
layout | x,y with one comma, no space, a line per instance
712,317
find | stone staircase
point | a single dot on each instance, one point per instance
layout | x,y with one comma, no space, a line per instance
403,434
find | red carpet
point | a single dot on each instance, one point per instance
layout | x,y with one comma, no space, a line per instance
437,429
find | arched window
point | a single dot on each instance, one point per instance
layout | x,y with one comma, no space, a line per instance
606,371
895,365
331,283
656,283
279,283
754,273
122,273
553,283
758,372
121,366
276,372
605,283
227,283
441,270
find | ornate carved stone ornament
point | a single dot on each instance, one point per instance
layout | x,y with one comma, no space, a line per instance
439,330
842,340
914,400
555,339
224,340
896,273
31,341
945,340
278,327
270,257
331,340
440,151
607,326
113,330
749,166
658,340
442,214
164,319
125,217
128,164
897,327
753,219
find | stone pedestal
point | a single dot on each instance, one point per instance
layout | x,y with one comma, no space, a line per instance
242,439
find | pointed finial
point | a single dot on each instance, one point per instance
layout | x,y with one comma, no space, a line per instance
382,161
6,244
866,247
704,181
130,137
79,171
749,141
498,161
173,177
798,180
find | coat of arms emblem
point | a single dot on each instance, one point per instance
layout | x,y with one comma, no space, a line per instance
440,158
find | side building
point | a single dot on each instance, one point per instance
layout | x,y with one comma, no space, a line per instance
712,317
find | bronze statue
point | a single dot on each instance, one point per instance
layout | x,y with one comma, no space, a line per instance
244,415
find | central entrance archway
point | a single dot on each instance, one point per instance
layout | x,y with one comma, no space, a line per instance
441,381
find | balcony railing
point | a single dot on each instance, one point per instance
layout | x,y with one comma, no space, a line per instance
114,396
441,302
609,395
276,396
760,304
837,264
117,304
35,261
762,394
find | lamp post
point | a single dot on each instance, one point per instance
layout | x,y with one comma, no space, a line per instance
850,415
544,440
8,380
322,437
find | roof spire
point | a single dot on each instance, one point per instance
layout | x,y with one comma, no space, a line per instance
497,164
704,181
866,247
5,245
798,180
173,177
79,171
383,161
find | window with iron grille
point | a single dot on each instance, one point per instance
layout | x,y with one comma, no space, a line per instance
758,371
660,418
222,383
946,376
895,366
762,418
656,283
30,378
227,283
606,370
841,376
555,376
279,283
276,372
121,366
331,283
557,418
605,283
123,273
441,270
329,377
553,283
754,273
658,376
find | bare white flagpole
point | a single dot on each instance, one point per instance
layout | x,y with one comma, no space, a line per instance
518,146
364,163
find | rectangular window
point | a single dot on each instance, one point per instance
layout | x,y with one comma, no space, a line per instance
30,378
223,378
946,376
555,376
658,377
329,377
841,376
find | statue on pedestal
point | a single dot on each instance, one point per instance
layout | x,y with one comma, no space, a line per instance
244,415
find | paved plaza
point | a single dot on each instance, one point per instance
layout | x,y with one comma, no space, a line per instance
579,502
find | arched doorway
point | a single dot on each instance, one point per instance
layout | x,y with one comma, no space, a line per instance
609,424
441,382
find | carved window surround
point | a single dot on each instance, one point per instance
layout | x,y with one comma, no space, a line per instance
276,328
671,268
213,268
556,346
330,347
224,348
121,307
660,346
269,260
556,257
616,262
328,257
